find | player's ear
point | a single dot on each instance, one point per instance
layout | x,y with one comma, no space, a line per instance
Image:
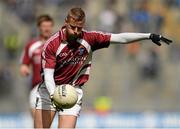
66,21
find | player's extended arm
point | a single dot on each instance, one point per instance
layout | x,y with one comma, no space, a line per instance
50,85
125,38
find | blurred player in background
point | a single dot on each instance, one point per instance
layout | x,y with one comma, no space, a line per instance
31,57
66,59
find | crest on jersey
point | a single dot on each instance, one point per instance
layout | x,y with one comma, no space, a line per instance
81,50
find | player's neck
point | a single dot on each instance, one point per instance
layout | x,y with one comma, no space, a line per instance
43,38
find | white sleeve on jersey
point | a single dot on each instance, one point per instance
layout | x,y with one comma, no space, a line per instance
124,38
49,80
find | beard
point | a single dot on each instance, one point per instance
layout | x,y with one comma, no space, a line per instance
72,37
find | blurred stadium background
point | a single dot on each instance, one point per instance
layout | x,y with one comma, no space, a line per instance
132,86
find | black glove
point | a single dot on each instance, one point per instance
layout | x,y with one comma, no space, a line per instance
55,105
158,38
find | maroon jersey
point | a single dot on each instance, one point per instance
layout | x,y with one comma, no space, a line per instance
32,56
72,61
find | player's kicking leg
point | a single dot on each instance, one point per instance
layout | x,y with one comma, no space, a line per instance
67,121
43,118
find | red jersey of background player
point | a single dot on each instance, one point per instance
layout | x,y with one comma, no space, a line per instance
32,56
72,61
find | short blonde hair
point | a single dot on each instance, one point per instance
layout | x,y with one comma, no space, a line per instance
76,14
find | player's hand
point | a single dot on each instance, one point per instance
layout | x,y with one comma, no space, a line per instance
55,105
24,70
159,38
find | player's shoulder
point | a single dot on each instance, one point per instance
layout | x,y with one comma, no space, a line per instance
33,41
54,40
94,32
